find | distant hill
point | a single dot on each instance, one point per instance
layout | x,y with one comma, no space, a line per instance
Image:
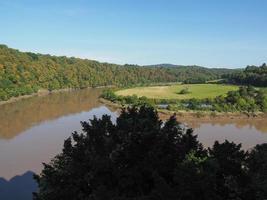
163,65
24,73
194,73
195,67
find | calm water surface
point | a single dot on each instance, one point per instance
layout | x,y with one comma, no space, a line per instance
33,130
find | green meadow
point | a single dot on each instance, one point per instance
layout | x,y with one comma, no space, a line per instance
199,91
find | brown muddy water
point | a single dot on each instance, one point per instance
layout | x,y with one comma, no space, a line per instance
32,131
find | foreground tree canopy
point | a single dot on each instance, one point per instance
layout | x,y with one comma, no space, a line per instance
140,157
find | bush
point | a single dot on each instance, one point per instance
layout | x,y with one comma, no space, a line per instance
184,91
3,95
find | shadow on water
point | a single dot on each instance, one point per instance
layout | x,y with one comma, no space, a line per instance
257,123
18,188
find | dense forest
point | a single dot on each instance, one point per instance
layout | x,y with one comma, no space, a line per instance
195,74
252,75
24,73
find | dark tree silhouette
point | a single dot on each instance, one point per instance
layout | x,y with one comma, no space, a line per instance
257,163
140,157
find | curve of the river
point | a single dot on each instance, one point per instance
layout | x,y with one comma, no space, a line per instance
32,131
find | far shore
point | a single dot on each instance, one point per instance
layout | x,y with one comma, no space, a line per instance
43,92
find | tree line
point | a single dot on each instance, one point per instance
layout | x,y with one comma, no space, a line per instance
252,75
141,158
24,73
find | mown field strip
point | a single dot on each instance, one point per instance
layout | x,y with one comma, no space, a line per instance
198,91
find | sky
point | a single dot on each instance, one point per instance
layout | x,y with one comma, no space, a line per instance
211,33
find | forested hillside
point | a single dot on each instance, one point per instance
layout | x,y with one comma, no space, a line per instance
194,73
25,73
252,75
198,74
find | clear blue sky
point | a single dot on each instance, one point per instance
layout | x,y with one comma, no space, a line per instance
212,33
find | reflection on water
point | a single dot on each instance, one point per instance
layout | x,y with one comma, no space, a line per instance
248,135
32,131
19,116
248,131
260,124
41,142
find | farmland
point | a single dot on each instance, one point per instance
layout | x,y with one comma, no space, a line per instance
198,91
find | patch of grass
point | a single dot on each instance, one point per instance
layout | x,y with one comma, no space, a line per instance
198,91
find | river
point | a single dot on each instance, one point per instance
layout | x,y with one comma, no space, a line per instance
32,130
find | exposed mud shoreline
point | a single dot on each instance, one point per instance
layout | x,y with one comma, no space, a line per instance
187,116
43,92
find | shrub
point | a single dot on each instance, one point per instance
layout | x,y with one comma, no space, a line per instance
184,91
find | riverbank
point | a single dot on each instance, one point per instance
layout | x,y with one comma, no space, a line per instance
43,92
209,116
204,116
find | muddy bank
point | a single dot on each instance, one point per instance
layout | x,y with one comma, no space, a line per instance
196,119
43,92
209,116
200,116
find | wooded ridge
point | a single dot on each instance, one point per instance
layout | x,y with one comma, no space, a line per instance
23,73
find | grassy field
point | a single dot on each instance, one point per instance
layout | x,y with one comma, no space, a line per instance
198,91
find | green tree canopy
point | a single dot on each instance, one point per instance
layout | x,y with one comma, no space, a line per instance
23,73
140,157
